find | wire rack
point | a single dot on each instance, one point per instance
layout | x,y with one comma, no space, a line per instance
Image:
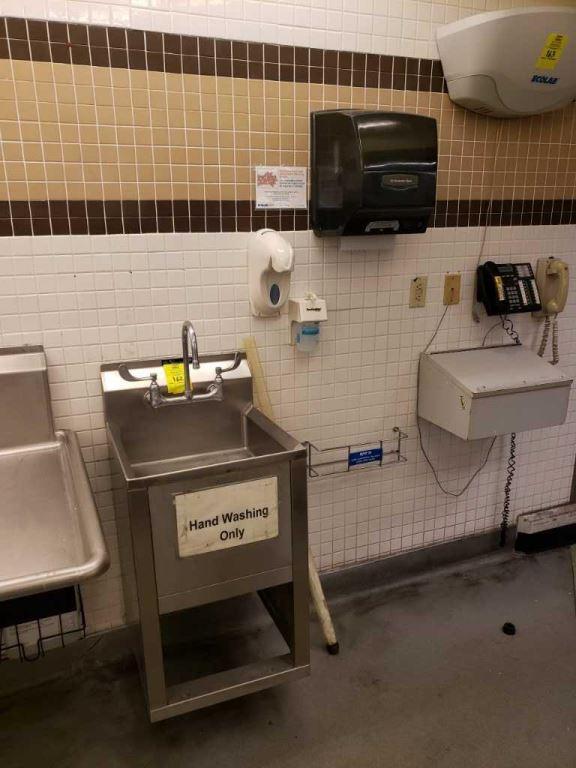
60,637
323,462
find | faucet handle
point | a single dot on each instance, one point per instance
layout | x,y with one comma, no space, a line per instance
235,364
125,373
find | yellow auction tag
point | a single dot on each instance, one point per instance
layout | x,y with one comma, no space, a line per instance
552,51
174,373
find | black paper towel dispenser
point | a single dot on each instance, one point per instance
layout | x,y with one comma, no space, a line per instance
373,173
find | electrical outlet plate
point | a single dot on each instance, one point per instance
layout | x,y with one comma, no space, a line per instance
452,288
418,288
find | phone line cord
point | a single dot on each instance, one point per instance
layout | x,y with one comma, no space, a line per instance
555,342
508,490
508,327
550,327
545,337
463,490
550,324
499,137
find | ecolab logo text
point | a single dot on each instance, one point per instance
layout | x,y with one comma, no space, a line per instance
545,80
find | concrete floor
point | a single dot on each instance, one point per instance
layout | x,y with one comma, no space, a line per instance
425,678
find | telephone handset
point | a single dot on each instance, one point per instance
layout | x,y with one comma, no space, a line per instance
506,289
552,281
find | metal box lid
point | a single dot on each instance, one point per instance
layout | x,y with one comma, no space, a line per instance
490,370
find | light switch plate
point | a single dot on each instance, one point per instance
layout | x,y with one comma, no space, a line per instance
418,288
452,288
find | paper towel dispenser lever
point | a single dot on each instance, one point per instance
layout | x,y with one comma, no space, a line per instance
373,173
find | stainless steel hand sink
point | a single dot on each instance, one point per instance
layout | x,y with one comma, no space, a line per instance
169,449
154,445
210,499
50,534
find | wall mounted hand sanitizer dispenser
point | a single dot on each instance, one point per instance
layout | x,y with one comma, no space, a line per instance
373,173
270,265
305,316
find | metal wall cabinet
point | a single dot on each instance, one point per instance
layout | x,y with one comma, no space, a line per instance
490,391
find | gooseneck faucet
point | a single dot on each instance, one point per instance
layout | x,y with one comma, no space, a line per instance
189,347
214,390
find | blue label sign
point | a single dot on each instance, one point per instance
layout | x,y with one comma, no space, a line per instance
364,457
545,79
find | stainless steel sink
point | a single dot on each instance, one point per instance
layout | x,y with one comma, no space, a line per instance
212,457
156,445
50,534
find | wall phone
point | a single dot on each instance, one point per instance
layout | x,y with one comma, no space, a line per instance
506,289
552,281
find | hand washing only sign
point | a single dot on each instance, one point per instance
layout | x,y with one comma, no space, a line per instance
227,516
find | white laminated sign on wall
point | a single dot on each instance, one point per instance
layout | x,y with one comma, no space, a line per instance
227,516
280,187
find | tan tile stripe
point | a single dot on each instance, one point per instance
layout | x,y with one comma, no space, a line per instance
139,148
76,132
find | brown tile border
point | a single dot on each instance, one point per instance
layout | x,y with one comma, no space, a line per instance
504,213
97,217
64,43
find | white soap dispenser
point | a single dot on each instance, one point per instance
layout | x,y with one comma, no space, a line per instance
270,265
305,316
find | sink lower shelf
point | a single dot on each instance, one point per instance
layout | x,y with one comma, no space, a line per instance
50,533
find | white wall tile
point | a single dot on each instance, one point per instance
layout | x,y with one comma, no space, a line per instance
91,300
397,27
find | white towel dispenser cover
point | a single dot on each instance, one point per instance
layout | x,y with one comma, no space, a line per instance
490,391
511,63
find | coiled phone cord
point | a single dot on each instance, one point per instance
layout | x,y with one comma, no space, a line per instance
511,471
550,324
508,327
545,337
555,341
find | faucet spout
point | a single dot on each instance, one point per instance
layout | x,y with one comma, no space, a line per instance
189,352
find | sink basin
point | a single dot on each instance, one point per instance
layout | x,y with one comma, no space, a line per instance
50,534
157,443
144,455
